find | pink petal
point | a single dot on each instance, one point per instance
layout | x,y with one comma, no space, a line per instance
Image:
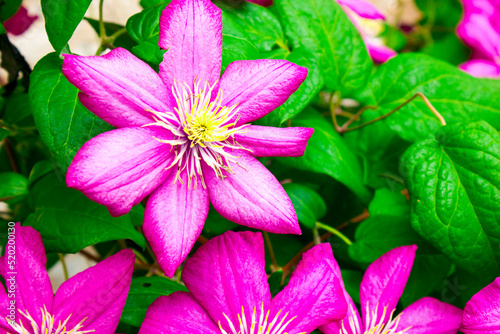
228,273
259,86
266,141
97,294
380,53
363,8
252,197
32,284
352,311
265,3
481,68
173,220
482,311
5,304
431,316
20,22
384,281
177,313
120,167
478,29
314,294
117,87
191,31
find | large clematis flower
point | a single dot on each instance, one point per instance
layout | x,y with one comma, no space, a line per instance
91,301
482,311
480,30
184,136
382,286
368,20
229,292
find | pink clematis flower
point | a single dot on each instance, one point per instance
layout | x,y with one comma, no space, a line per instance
480,30
382,286
19,22
229,292
184,136
482,311
367,19
91,301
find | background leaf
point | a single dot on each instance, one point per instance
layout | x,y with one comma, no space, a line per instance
307,203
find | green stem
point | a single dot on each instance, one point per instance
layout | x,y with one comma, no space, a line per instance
267,240
63,263
140,256
334,231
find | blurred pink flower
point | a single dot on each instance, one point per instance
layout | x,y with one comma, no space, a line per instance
184,136
482,311
91,301
229,292
382,285
366,18
20,22
480,30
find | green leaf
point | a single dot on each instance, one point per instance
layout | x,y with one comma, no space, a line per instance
456,95
68,221
4,133
124,40
352,281
143,292
17,108
255,23
387,227
12,185
454,188
237,48
146,24
61,20
303,96
308,204
2,29
328,154
322,27
63,122
7,9
215,224
274,282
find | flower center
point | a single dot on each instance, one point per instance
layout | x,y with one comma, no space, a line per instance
203,130
259,325
375,324
47,326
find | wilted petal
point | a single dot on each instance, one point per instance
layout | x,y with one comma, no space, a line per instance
228,274
259,86
97,294
120,167
191,31
482,311
118,87
266,141
431,316
33,290
252,196
173,220
177,313
384,281
481,68
314,294
363,8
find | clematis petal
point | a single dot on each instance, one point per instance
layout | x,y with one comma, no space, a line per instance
228,274
478,29
314,295
431,316
120,167
266,141
363,8
173,220
380,53
482,311
259,86
117,87
33,290
252,197
97,294
384,281
177,313
191,31
5,303
265,3
481,68
352,314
